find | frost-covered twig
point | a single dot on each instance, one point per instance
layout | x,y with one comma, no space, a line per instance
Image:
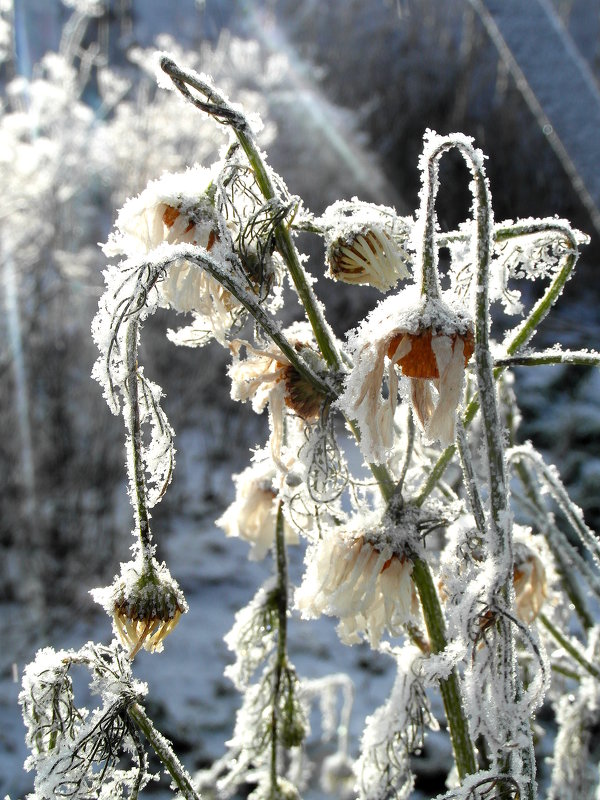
583,358
572,513
163,749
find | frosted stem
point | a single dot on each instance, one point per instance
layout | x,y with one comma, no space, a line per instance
217,106
464,754
164,751
470,480
569,647
269,326
430,286
136,459
281,658
499,525
580,358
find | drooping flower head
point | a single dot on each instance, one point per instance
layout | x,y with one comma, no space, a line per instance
364,578
145,604
363,244
253,514
266,376
177,209
428,341
529,576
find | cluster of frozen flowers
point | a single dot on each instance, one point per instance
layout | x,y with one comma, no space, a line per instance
428,570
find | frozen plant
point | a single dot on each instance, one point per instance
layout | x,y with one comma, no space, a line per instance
430,571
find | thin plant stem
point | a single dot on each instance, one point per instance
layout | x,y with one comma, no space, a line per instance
569,647
281,656
138,480
580,358
462,746
164,751
469,479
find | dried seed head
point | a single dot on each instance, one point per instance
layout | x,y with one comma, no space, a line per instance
300,395
145,603
368,256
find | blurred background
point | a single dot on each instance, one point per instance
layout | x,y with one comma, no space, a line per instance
346,90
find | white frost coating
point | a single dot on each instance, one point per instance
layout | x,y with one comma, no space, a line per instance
129,298
394,732
173,210
394,323
575,773
75,752
252,636
479,621
253,514
359,577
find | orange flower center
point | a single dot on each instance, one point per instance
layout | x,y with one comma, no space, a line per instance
420,362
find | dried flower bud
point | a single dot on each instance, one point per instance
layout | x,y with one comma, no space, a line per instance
145,603
368,256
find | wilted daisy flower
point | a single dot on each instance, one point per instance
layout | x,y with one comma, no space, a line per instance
253,514
431,344
529,577
362,579
266,376
145,604
363,244
180,209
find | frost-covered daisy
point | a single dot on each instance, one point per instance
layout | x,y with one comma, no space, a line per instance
266,376
529,577
361,579
179,209
430,343
253,514
363,244
145,604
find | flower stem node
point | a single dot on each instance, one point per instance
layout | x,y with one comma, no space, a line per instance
145,604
